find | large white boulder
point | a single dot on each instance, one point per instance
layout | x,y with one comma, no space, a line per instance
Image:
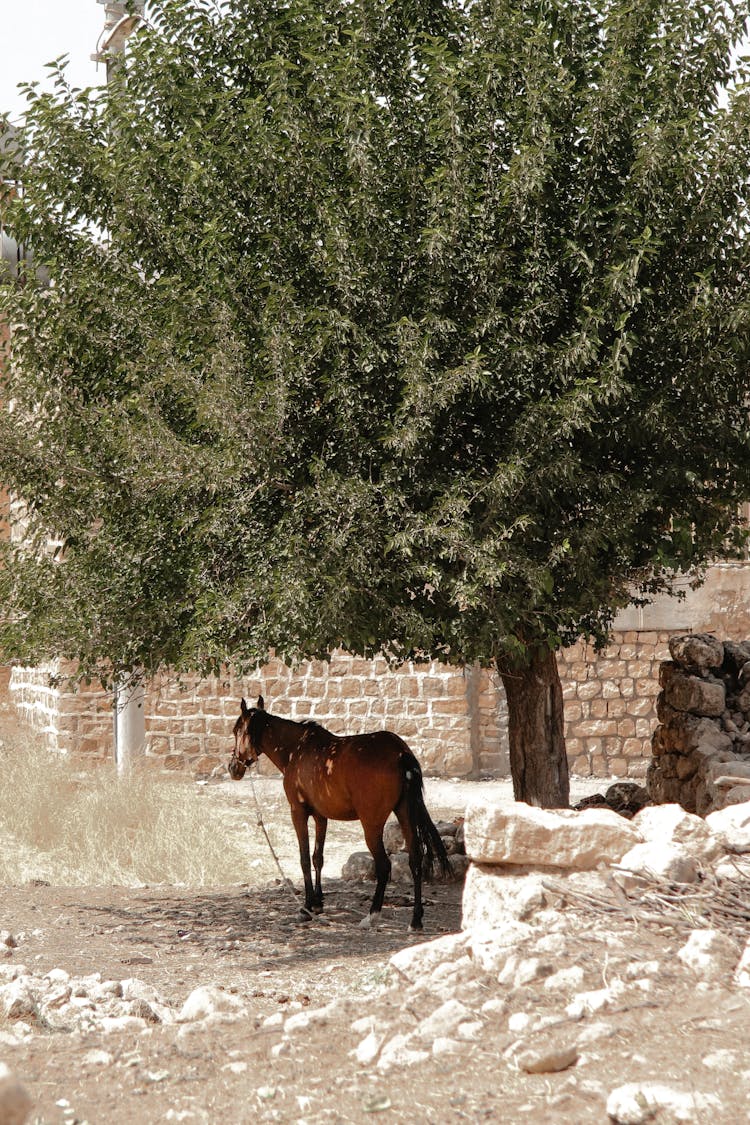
491,897
732,826
524,834
671,824
662,861
415,962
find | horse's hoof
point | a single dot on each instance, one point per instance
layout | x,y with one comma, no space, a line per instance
370,921
305,915
416,929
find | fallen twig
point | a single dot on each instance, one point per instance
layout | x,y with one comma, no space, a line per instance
722,904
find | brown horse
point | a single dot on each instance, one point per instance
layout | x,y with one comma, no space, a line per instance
361,777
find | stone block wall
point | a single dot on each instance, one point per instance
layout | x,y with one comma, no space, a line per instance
78,721
610,703
701,747
454,719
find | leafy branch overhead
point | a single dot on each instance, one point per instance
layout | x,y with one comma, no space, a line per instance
419,327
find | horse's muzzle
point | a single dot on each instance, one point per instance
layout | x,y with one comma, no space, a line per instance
236,768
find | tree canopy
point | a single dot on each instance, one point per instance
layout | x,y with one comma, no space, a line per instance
416,327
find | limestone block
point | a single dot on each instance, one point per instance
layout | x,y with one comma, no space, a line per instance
709,953
733,867
671,824
302,1021
368,1049
207,1000
491,897
700,697
358,868
567,979
737,795
697,650
665,861
639,1102
459,866
523,834
732,826
586,1003
416,961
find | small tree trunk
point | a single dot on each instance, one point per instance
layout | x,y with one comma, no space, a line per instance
538,762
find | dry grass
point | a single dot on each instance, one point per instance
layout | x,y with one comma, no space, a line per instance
75,826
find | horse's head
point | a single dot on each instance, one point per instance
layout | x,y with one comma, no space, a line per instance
247,733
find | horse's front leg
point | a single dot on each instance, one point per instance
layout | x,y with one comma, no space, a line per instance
321,826
299,820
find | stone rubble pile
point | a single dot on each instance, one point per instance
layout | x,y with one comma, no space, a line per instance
526,974
701,748
516,969
57,1001
360,866
31,1004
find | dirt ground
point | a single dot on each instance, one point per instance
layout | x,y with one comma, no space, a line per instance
248,939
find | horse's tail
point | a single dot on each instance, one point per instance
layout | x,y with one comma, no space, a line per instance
428,838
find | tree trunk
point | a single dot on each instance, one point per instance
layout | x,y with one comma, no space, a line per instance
538,762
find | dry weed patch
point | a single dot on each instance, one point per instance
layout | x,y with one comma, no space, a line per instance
73,825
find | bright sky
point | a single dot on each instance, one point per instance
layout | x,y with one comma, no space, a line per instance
33,32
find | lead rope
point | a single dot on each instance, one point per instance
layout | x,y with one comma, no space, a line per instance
286,881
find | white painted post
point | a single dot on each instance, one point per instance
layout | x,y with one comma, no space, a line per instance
130,712
130,723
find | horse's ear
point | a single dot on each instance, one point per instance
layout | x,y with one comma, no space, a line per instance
243,707
260,704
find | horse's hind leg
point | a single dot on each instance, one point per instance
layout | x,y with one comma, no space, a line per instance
299,820
416,860
374,841
321,826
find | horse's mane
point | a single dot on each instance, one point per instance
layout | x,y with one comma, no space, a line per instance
312,733
257,722
315,734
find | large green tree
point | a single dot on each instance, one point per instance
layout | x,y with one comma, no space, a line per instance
417,327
